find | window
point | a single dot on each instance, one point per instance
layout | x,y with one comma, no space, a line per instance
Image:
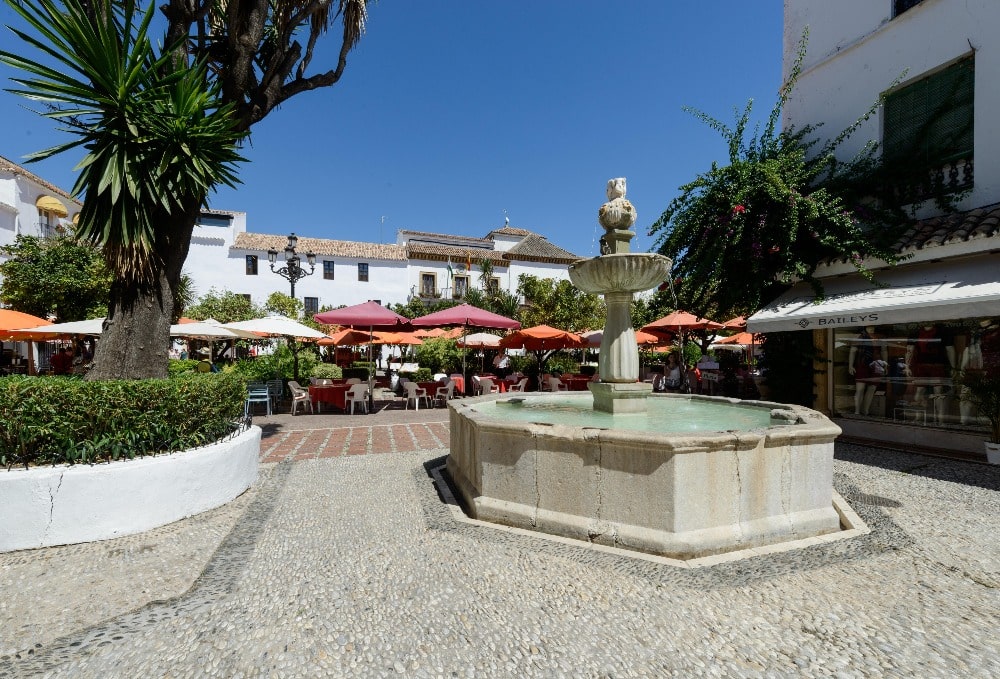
328,269
363,273
928,127
251,265
214,220
428,285
900,6
461,287
311,305
493,285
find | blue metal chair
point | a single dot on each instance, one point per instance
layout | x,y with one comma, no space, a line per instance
257,393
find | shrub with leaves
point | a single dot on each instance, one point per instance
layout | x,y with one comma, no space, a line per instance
327,371
56,420
739,234
440,355
280,364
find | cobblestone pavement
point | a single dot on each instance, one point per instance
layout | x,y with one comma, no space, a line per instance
341,562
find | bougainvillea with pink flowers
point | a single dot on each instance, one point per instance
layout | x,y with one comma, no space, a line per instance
741,233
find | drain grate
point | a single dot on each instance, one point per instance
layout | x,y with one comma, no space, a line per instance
876,500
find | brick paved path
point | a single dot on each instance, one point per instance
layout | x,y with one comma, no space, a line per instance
309,444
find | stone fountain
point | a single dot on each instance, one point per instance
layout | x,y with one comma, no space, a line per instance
677,475
618,274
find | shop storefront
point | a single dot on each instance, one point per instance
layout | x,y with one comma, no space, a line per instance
894,355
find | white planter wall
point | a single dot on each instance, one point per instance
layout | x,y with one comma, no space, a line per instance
45,506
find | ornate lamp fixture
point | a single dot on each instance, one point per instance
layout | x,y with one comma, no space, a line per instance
293,270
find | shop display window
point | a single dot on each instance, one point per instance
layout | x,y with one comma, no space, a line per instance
912,373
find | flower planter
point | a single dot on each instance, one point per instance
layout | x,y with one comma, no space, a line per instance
992,452
46,506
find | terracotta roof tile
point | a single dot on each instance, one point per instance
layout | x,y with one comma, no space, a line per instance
14,168
447,237
535,247
321,246
511,231
418,250
981,222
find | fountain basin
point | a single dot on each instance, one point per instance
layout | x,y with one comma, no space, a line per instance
624,272
683,494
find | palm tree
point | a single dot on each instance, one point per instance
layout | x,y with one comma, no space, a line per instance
162,128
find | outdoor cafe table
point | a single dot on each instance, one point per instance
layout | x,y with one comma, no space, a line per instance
334,394
576,382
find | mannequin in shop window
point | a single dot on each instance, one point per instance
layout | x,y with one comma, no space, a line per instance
931,358
981,355
866,363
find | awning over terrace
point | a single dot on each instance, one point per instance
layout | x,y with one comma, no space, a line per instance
965,287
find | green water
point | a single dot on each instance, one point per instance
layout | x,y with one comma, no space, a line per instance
666,415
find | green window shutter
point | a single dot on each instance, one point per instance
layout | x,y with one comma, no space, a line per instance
931,121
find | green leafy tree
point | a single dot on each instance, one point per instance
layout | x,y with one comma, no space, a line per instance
741,233
184,296
224,306
439,354
280,303
415,307
560,304
160,123
59,277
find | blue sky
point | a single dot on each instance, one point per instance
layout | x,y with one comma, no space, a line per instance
451,112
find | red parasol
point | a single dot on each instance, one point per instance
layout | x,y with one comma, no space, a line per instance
542,338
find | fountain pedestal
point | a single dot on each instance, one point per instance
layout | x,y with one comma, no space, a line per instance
619,397
618,274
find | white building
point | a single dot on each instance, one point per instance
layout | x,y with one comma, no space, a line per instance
225,256
29,205
892,352
429,266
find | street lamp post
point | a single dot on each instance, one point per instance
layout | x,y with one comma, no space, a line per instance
293,270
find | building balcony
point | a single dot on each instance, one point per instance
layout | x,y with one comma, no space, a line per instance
949,178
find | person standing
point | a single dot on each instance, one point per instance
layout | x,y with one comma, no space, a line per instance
62,361
501,364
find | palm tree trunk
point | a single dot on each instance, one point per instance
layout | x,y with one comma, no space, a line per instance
136,339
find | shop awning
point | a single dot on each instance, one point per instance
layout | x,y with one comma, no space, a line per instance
930,291
53,205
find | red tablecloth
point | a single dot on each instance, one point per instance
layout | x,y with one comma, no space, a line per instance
334,394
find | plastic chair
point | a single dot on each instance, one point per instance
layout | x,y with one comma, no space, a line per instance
257,393
353,380
445,393
486,386
415,393
358,393
521,385
543,382
300,396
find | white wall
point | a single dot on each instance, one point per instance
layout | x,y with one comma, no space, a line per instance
18,214
855,53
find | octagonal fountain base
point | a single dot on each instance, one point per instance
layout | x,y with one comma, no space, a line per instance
680,495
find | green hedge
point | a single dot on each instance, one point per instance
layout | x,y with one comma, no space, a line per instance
50,420
327,371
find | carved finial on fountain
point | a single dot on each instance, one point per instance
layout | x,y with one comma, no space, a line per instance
616,216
